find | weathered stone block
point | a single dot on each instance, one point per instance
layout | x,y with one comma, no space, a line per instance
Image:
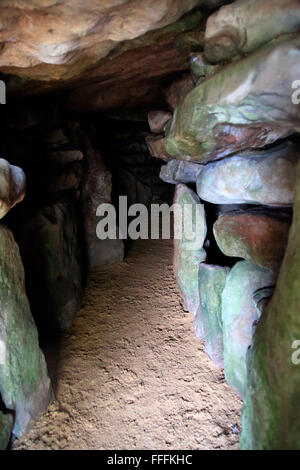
239,314
247,104
245,25
208,320
266,177
255,235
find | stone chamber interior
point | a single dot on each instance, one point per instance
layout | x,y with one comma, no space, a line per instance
149,343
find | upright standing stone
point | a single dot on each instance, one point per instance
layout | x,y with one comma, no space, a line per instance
96,190
239,314
50,245
208,320
187,257
24,383
271,415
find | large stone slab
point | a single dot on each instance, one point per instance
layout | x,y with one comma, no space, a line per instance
49,50
258,235
187,260
262,177
12,186
271,417
24,383
245,25
239,314
208,320
247,104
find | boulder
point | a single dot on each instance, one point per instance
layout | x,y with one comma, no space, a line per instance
247,104
245,25
208,320
239,315
6,427
259,236
51,249
175,94
180,172
263,177
186,259
271,417
158,120
12,186
24,383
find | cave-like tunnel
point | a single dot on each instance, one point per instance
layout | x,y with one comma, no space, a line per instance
149,197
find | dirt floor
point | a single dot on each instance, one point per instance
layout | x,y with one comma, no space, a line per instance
130,374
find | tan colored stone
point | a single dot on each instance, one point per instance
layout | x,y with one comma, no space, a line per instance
54,40
12,186
157,120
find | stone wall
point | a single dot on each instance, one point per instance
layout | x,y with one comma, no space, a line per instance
230,139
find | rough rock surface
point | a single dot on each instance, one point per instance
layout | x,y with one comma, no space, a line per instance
259,236
208,320
44,48
200,68
264,177
157,147
239,315
245,105
180,172
50,247
24,384
96,190
175,94
6,427
12,186
271,416
236,28
186,259
157,120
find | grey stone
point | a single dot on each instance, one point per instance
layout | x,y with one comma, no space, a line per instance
239,315
263,177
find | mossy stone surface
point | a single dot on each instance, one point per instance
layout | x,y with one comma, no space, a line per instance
208,320
24,383
271,414
247,104
239,314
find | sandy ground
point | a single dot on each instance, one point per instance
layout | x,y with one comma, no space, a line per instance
130,374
